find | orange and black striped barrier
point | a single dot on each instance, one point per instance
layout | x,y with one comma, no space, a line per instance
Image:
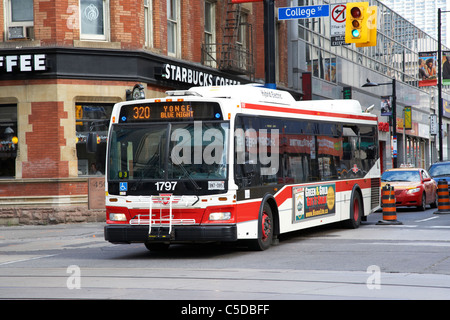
443,197
389,207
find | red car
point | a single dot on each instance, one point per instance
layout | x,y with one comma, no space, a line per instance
413,187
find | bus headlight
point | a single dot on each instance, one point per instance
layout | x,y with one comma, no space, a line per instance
117,217
215,216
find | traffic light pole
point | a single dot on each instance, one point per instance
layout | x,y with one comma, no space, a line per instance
394,122
394,115
440,105
269,43
439,85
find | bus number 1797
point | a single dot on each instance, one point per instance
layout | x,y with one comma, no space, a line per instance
165,185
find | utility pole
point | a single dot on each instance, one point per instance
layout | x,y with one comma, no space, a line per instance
440,105
394,116
394,121
269,43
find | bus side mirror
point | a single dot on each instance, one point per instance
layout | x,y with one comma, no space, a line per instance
91,142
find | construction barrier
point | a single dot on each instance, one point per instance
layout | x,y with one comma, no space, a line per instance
443,197
388,205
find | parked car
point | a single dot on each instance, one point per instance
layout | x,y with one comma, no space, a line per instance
412,186
440,170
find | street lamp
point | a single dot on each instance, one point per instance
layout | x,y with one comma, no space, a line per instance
394,111
440,104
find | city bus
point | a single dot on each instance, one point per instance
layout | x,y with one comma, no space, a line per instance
238,163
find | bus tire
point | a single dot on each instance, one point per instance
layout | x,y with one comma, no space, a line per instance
356,211
157,246
265,229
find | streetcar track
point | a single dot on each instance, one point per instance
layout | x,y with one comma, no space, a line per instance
259,280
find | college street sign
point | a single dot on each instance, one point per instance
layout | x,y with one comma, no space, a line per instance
304,12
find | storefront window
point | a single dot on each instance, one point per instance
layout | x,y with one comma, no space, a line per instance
92,118
8,140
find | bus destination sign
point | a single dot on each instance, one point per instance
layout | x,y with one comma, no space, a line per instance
170,111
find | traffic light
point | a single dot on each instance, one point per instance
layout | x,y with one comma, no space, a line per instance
372,26
356,27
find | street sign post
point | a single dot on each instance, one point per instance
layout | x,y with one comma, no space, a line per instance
337,24
304,12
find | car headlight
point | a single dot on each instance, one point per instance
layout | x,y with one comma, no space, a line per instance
117,217
414,190
214,216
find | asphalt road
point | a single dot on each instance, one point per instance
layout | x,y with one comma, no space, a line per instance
408,261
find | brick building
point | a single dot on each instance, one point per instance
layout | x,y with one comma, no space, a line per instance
63,65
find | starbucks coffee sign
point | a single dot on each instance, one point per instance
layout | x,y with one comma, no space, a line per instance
194,77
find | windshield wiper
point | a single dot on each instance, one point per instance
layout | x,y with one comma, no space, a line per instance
178,163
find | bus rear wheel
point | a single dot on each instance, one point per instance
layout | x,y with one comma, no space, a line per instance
265,230
356,211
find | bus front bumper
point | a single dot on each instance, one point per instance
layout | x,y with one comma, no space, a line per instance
139,233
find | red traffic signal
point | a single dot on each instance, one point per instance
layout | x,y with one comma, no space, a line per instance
361,19
355,12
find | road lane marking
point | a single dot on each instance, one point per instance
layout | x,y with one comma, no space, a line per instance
427,219
26,259
418,244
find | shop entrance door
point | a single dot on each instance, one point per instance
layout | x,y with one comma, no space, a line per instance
8,140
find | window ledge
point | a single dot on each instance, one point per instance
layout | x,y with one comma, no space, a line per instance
17,44
96,44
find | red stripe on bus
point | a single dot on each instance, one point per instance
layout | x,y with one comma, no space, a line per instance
348,184
306,112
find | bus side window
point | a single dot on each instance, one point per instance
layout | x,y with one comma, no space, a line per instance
246,164
270,150
369,149
297,142
360,149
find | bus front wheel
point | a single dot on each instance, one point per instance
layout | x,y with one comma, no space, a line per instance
157,246
265,229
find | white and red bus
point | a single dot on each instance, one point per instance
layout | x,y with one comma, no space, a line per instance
221,164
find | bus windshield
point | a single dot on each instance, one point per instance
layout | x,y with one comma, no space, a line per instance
169,151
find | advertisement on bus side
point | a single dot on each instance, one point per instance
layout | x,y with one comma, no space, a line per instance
313,201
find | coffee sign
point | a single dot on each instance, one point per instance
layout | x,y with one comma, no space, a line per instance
23,63
194,77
